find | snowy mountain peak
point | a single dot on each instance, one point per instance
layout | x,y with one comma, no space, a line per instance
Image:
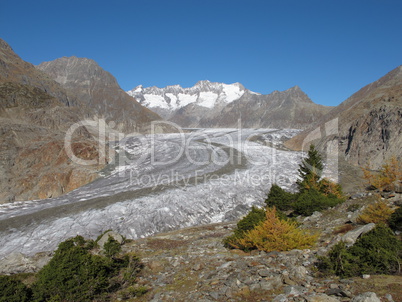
138,88
171,98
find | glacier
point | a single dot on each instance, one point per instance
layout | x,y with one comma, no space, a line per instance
158,183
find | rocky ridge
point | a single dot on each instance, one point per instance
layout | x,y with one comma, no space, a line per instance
366,126
212,105
98,95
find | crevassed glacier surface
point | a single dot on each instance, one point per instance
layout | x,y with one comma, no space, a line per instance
158,183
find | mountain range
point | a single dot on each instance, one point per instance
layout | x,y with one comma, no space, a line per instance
38,104
213,105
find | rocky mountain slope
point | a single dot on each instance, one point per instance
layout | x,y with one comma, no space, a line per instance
209,105
192,264
34,116
366,126
96,90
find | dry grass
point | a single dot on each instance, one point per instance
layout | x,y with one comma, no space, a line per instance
381,285
246,295
343,229
166,244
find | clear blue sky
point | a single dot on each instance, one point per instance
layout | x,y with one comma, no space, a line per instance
329,48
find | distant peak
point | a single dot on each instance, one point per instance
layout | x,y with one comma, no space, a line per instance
203,83
295,88
139,88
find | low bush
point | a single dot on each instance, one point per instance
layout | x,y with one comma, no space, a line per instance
376,212
312,200
389,173
275,234
329,188
247,223
75,274
376,252
111,247
13,290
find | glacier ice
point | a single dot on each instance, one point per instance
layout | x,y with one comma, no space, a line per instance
158,183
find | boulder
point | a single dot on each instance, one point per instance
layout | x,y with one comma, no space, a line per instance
294,290
350,237
397,186
16,263
322,298
298,272
280,298
366,297
105,238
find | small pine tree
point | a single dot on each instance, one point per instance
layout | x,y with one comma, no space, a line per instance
310,170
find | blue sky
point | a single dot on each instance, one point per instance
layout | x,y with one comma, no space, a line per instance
329,48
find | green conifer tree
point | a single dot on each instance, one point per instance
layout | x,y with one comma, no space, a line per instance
310,170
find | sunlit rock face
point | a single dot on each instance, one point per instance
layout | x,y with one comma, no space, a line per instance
35,113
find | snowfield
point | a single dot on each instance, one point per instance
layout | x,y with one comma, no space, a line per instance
158,183
204,93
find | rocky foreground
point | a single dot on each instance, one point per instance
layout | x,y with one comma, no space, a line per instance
193,265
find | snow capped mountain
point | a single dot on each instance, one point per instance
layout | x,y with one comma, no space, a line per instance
213,105
203,93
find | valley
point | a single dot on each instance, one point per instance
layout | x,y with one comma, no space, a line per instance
157,183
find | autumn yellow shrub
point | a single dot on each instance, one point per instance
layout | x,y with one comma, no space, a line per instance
329,188
390,172
376,212
274,234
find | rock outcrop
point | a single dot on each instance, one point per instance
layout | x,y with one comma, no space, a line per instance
366,127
